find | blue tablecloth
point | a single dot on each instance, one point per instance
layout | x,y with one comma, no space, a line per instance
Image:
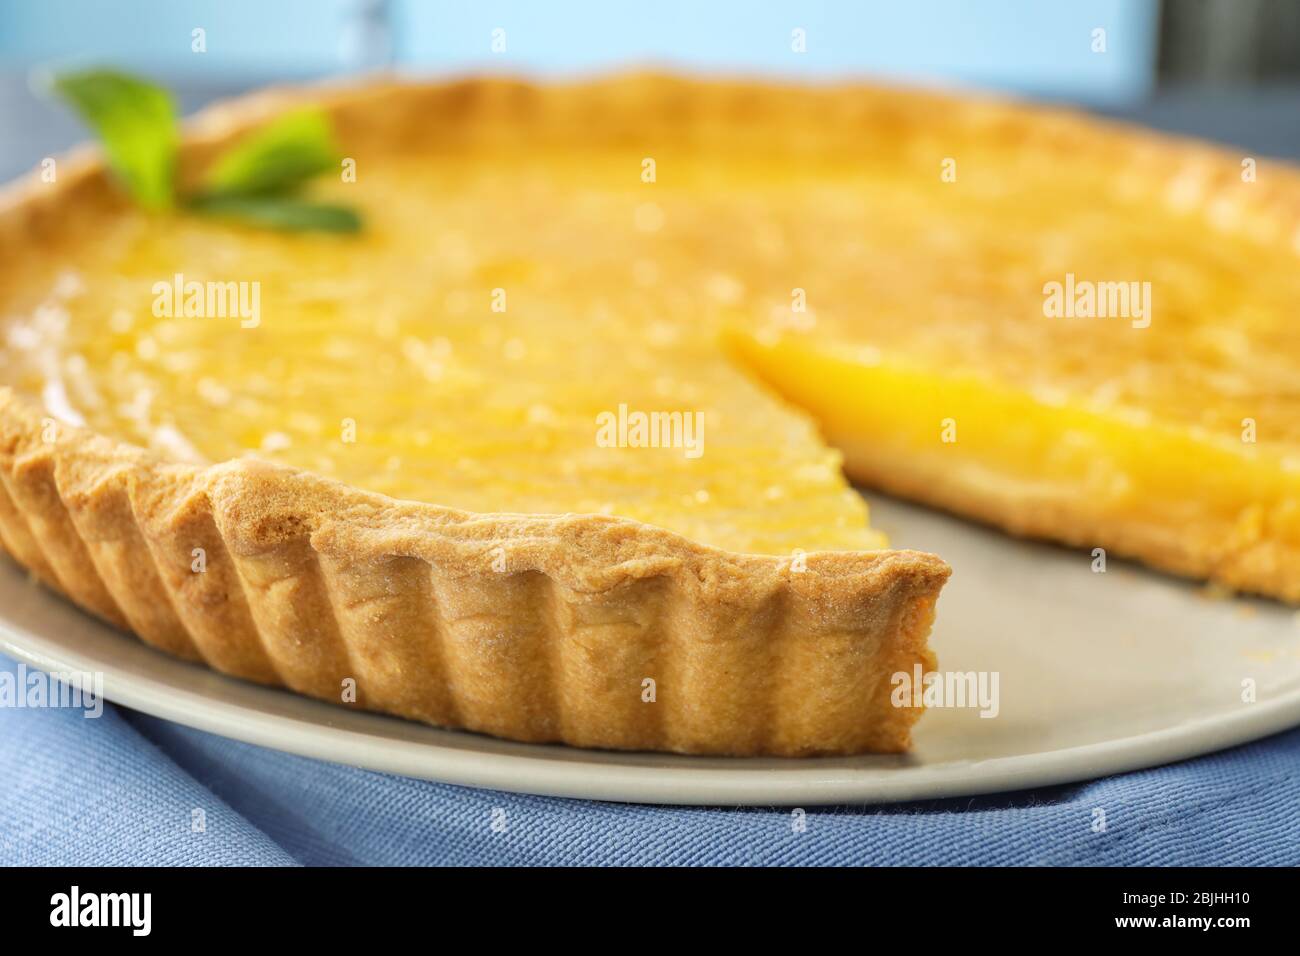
123,789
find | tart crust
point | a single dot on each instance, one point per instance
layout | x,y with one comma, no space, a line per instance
530,627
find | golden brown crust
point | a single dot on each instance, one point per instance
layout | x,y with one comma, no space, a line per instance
532,627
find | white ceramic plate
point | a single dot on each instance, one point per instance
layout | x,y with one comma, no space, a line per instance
1097,673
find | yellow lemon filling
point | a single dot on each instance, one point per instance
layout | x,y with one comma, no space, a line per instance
512,336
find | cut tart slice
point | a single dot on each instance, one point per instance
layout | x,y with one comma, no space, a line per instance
1069,329
484,465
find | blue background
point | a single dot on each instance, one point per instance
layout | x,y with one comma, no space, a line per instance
1037,47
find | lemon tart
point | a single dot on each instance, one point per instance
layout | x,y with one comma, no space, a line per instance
539,453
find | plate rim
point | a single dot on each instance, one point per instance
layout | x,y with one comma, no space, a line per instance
532,768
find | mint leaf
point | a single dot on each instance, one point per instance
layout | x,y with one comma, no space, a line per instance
276,159
136,122
278,212
253,182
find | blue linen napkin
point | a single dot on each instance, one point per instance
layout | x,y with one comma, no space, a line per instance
127,789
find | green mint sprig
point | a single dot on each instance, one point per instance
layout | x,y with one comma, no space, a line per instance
256,181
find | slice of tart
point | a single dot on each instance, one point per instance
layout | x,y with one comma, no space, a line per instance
485,464
1066,328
